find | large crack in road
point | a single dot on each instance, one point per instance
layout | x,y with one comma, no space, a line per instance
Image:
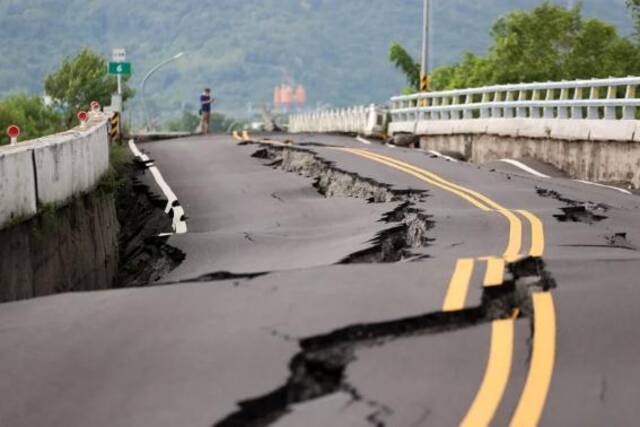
318,369
145,256
575,210
391,245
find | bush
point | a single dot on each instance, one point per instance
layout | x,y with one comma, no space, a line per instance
31,115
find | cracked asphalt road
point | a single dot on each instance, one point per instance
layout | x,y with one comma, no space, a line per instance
314,342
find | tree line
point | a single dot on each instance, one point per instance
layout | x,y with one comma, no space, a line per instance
547,43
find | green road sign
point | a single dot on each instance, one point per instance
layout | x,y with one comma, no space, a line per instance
120,68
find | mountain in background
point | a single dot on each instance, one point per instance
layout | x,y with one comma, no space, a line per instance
337,49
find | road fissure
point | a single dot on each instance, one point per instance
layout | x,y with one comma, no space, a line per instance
319,369
491,391
410,224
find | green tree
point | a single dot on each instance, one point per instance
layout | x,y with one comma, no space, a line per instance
532,46
548,43
472,71
79,81
30,114
598,51
405,63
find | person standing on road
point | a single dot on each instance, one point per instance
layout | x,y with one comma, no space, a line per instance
205,110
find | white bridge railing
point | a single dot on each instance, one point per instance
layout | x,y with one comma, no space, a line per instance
597,99
364,120
554,104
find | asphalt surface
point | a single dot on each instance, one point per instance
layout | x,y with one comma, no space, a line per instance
444,336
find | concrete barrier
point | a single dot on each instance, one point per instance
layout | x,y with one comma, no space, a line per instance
573,130
52,170
17,185
368,121
593,150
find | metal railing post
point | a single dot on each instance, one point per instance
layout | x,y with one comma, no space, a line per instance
485,112
521,112
548,112
609,110
509,112
563,112
629,112
576,111
592,112
496,110
534,111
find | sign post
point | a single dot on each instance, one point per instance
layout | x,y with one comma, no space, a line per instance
119,56
13,132
118,67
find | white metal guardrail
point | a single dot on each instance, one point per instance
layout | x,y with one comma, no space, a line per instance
364,120
596,99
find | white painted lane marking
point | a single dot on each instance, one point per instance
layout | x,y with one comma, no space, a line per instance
364,141
179,225
442,156
391,145
622,190
525,168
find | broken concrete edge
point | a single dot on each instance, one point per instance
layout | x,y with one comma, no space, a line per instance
319,368
127,233
145,255
411,225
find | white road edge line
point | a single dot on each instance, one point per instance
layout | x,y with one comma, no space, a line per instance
391,145
610,187
442,156
364,141
179,224
525,168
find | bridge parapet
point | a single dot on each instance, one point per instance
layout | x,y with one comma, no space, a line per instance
547,103
363,120
52,170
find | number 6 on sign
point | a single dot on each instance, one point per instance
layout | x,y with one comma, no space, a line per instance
120,68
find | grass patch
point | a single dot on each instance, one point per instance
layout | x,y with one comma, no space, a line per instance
114,177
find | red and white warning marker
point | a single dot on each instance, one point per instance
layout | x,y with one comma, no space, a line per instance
13,132
83,117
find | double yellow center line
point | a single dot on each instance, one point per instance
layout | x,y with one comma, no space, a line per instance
491,391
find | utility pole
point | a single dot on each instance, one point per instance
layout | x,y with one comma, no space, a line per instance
424,66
